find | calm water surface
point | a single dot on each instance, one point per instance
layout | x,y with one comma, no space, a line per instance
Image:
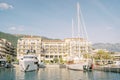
56,74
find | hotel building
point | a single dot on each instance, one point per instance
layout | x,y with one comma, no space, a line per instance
77,46
54,49
6,48
27,45
51,49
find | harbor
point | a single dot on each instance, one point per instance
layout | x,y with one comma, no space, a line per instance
56,73
27,52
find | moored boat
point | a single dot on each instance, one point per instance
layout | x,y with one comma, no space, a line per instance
29,62
83,65
79,46
2,62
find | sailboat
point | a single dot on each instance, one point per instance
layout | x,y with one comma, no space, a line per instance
80,63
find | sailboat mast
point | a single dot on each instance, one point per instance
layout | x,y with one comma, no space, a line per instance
72,28
83,30
84,27
78,24
78,19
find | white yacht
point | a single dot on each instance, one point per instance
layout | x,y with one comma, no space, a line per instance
29,62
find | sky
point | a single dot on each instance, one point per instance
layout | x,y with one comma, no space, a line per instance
53,18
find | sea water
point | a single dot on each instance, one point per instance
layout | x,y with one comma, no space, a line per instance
56,74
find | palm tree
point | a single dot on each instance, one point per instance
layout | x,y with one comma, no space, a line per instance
102,56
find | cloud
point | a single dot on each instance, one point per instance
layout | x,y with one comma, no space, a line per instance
17,28
5,6
12,28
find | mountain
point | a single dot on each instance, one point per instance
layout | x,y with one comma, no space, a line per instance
109,46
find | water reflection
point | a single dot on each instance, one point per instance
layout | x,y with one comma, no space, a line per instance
7,74
56,74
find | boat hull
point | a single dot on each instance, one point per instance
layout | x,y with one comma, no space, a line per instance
80,67
75,67
26,65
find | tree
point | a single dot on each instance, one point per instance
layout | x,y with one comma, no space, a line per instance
8,58
55,60
102,55
87,55
61,60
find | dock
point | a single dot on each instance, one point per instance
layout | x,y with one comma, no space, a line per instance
108,68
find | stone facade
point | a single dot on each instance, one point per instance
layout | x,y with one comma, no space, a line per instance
51,49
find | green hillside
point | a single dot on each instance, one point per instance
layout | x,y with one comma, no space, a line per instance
11,38
14,37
